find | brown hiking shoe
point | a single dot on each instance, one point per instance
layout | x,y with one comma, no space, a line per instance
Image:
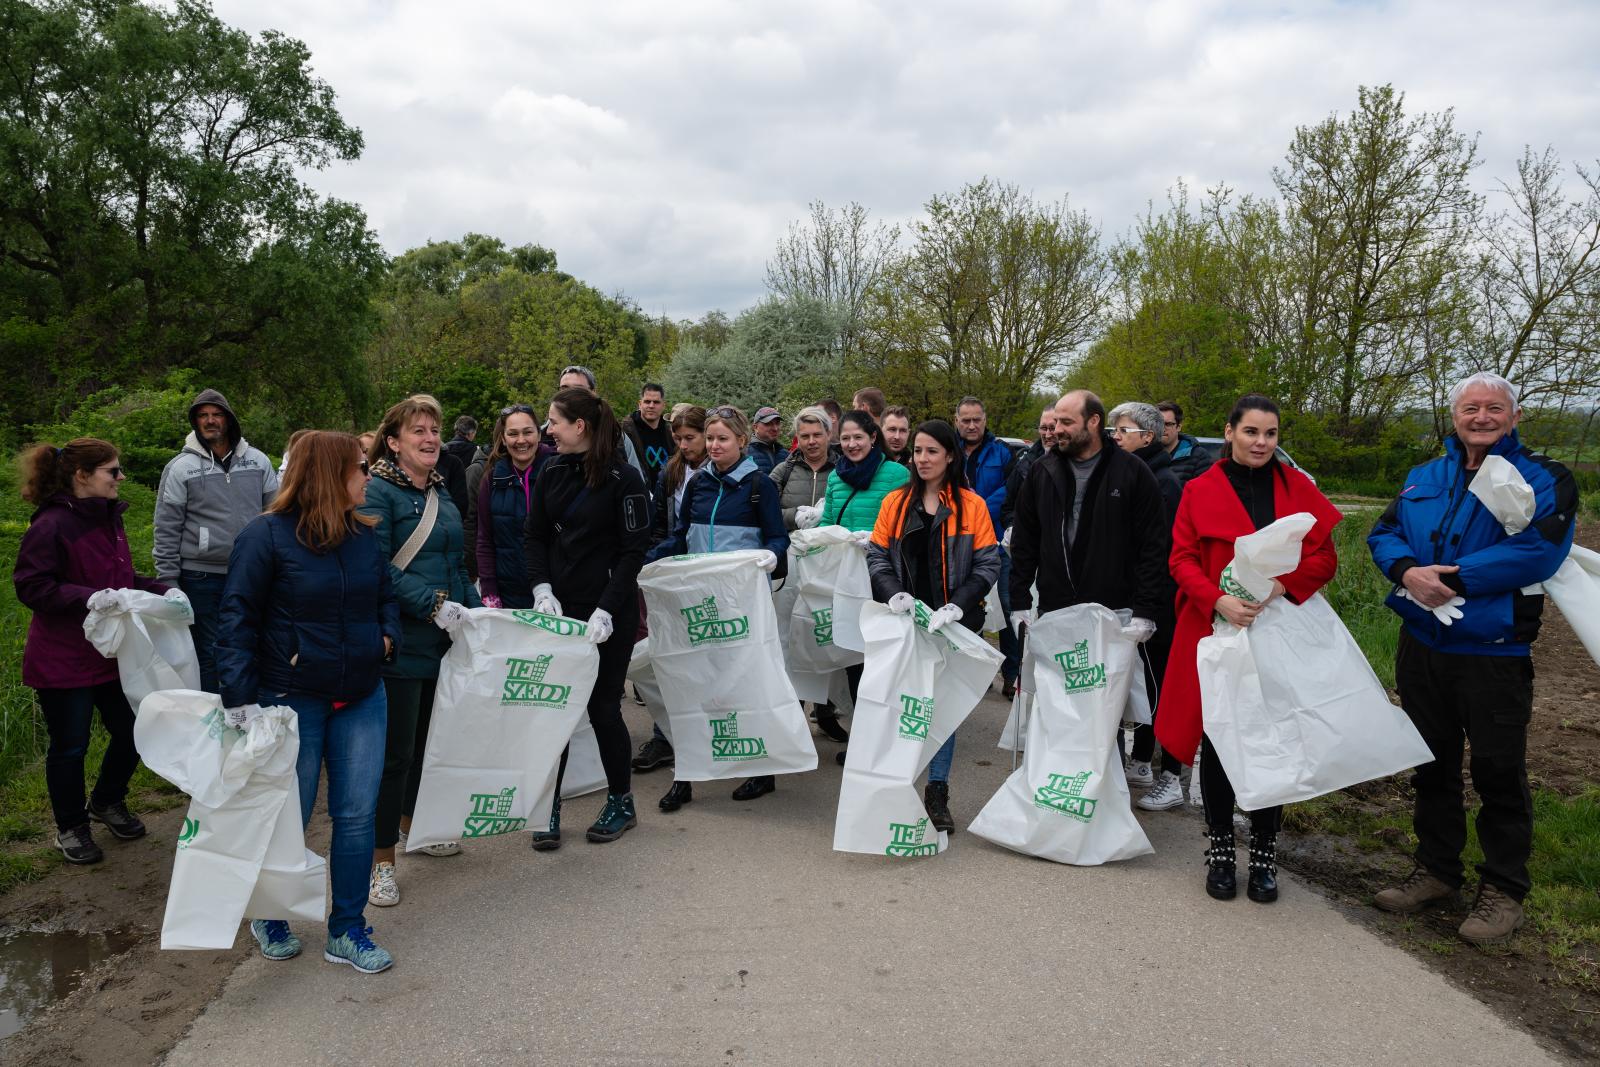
1415,893
1494,919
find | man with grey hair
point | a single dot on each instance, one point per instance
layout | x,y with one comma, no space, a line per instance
1463,667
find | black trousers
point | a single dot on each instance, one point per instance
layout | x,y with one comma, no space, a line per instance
1219,798
69,716
1152,657
1484,701
605,706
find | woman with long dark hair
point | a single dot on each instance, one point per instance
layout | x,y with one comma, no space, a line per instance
308,620
933,542
504,497
1239,494
588,529
73,559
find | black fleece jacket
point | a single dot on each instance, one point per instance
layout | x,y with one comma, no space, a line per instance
588,543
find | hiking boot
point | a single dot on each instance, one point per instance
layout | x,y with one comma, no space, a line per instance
1263,887
1495,918
655,752
936,799
549,839
439,848
679,795
759,786
1221,875
77,845
382,889
1167,794
1415,893
122,823
1138,774
355,947
616,818
828,722
276,942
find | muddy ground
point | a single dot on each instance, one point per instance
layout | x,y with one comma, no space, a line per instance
136,1006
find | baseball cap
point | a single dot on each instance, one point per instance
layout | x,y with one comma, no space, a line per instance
768,415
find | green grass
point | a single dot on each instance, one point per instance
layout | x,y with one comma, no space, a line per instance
1589,505
1357,592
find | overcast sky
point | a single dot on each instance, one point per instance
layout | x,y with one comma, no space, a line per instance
662,148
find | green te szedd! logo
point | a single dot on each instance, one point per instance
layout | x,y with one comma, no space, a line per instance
191,828
822,626
1064,794
552,623
916,715
1081,675
905,839
706,626
726,744
491,815
525,685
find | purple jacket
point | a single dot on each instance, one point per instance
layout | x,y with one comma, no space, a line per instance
73,548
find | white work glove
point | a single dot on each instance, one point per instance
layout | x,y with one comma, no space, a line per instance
806,516
239,718
178,597
108,600
599,626
1021,620
902,603
861,538
1005,539
767,561
450,616
943,617
544,600
1446,613
1140,630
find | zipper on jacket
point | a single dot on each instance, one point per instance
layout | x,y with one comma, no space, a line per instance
711,543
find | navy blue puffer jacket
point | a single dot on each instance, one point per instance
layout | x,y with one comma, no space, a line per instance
298,621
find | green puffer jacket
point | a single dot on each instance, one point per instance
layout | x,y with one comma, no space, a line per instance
857,509
437,573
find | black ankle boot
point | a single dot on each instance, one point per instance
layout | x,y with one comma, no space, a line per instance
1263,887
676,797
759,786
1221,879
936,799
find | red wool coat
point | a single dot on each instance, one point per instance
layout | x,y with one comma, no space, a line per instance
1210,517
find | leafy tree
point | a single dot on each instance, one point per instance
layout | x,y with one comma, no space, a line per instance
835,259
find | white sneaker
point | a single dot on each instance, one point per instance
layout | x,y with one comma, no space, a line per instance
443,848
1167,794
1138,774
383,891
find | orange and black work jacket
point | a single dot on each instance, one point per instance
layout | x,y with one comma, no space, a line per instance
964,556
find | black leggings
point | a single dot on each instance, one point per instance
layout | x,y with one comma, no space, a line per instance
605,708
1219,798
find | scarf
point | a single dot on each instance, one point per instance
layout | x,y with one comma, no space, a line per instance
858,475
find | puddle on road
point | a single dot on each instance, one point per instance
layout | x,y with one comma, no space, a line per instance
38,968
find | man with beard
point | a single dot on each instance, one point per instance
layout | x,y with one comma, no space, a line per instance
896,426
1090,526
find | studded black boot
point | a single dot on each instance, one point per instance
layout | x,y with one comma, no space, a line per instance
1263,887
1221,879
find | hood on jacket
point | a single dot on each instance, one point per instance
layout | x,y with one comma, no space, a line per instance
738,473
212,396
93,508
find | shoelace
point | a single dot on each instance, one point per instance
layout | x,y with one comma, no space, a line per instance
385,876
361,938
1487,900
277,931
1164,787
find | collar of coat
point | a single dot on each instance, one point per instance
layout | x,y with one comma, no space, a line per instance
390,471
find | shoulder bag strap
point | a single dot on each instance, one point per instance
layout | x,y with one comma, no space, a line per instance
430,515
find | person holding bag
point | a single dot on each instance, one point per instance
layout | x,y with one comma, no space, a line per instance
308,620
504,497
419,532
1238,495
73,559
729,506
587,532
933,542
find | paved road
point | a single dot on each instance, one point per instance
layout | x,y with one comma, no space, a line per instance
732,934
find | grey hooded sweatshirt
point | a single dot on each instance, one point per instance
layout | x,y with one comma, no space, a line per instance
203,502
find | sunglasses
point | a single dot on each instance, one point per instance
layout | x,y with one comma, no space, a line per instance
724,412
518,409
115,472
364,467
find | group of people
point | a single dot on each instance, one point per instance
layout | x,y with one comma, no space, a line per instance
333,587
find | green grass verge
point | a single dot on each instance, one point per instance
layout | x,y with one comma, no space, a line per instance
1357,592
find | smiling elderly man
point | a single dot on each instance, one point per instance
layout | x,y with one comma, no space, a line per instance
1463,667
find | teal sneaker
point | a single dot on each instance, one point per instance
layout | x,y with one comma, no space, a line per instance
355,947
615,819
276,942
549,840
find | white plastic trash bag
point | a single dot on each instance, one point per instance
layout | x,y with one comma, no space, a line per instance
642,673
1139,709
1502,489
916,688
828,584
994,616
1293,709
1575,587
1069,800
717,653
242,849
1261,557
150,642
512,690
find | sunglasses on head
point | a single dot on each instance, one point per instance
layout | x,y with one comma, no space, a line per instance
723,412
517,409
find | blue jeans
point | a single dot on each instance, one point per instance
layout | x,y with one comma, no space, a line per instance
205,596
939,766
1010,647
351,740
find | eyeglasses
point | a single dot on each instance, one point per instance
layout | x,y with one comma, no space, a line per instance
517,409
1118,431
115,472
1170,425
1048,429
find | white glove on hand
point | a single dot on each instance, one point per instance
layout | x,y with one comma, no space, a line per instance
806,517
1141,630
544,600
902,603
1023,619
108,600
767,561
240,717
1446,613
178,597
1005,539
943,617
450,616
862,538
600,627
